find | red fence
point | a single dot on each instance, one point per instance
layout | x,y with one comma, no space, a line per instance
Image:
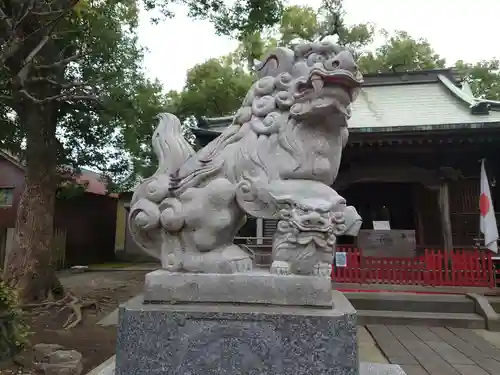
434,268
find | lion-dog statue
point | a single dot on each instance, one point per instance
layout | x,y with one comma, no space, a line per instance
277,160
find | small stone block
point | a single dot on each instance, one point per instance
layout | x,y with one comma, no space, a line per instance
260,287
105,368
379,369
230,339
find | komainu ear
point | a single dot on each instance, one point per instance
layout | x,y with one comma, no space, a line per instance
280,60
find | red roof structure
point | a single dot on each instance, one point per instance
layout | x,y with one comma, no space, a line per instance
96,183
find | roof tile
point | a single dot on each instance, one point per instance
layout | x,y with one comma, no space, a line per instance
412,105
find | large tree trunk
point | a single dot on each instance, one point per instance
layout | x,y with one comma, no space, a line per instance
29,266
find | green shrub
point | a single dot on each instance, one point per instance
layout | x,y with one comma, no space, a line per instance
13,332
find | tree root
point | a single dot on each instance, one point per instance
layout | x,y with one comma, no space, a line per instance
77,306
69,301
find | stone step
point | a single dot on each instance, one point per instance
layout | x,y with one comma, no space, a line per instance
454,320
438,303
495,303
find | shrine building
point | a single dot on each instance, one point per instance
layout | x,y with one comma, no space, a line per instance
412,163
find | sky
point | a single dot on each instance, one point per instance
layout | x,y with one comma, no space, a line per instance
456,29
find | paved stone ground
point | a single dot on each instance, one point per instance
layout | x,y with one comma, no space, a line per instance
421,350
368,349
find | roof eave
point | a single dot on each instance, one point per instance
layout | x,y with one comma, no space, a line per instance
211,122
12,159
476,106
208,132
426,128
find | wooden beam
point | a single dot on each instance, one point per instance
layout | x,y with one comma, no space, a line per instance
444,208
260,231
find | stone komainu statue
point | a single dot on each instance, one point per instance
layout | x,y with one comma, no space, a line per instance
277,160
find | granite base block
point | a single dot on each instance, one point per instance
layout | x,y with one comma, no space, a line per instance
229,339
108,368
162,286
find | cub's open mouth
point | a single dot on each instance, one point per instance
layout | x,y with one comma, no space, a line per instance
304,227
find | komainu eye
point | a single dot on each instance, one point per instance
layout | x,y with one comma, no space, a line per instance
314,58
332,64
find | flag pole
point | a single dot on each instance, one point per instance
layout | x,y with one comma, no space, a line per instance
487,223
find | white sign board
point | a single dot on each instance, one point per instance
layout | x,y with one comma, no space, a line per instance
387,243
381,225
341,259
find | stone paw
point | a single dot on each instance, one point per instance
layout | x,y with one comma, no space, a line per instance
280,268
171,262
322,269
242,265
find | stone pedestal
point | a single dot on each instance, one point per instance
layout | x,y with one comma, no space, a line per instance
249,339
239,324
271,327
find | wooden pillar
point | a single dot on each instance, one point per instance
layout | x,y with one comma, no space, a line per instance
260,231
418,219
444,208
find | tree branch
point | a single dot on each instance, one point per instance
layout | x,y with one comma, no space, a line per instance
49,29
59,63
12,44
68,85
28,9
7,20
6,98
49,13
60,97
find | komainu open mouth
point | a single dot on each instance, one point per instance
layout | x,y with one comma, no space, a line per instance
314,85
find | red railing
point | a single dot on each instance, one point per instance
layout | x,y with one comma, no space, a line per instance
433,268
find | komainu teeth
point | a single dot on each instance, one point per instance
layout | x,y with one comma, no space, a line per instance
317,83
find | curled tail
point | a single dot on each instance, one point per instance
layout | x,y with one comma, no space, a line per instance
172,151
169,145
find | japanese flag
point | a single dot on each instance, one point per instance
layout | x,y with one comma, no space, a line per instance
488,223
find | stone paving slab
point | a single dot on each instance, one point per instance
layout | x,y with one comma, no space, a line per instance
463,346
394,351
470,370
490,336
424,333
414,370
490,365
437,350
479,342
449,353
367,349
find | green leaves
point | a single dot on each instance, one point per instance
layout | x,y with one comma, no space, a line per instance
483,77
304,23
401,52
213,88
244,17
298,22
13,333
234,18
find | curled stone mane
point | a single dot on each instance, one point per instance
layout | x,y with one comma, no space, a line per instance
264,127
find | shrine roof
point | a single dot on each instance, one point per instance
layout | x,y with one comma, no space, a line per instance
416,100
